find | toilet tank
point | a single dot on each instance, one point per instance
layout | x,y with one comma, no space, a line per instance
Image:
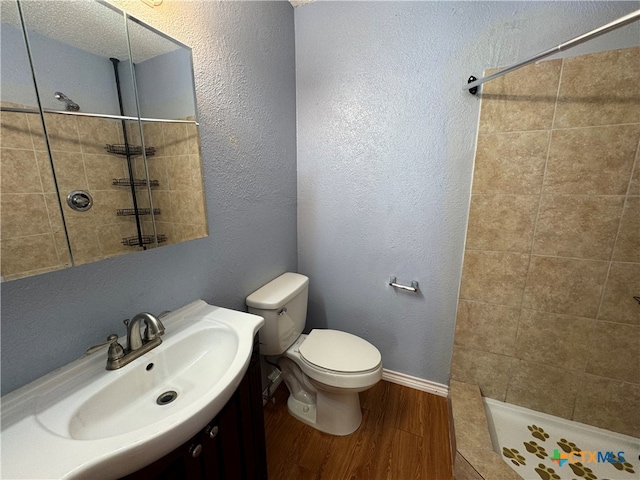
283,304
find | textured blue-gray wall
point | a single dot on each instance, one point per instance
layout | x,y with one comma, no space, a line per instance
385,153
386,140
245,82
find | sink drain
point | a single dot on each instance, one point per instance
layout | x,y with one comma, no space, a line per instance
166,397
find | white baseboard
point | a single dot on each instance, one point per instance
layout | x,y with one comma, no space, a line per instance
415,382
393,377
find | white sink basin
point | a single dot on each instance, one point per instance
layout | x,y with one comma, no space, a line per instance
82,421
190,365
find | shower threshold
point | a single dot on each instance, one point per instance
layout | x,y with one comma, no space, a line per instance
543,447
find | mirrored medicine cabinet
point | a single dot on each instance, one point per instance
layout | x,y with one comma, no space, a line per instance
99,138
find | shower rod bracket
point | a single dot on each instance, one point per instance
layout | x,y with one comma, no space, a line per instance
609,27
472,90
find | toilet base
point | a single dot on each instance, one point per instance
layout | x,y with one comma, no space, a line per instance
334,413
302,411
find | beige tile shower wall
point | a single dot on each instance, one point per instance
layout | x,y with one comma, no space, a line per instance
177,167
32,233
81,162
546,316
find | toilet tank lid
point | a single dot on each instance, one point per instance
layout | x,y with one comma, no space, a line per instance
278,291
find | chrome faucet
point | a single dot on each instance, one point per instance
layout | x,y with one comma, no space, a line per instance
153,330
118,357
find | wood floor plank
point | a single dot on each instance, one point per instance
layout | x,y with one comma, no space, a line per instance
370,399
379,434
437,446
341,452
412,411
406,457
296,472
284,438
404,435
314,454
372,441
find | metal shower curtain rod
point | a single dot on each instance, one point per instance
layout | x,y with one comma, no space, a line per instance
95,115
473,82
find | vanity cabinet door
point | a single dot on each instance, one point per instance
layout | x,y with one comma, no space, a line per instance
230,447
177,465
252,419
223,458
238,450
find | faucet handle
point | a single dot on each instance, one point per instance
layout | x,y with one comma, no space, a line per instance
115,349
110,341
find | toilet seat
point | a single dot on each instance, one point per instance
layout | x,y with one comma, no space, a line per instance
339,352
354,381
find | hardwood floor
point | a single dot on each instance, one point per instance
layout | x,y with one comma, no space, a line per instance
404,435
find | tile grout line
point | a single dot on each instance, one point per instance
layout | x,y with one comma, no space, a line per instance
550,256
615,243
42,188
542,183
44,193
495,194
549,132
544,365
481,302
610,263
553,128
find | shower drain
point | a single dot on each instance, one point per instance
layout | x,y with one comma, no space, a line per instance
166,397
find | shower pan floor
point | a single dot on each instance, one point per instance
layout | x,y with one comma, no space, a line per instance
540,446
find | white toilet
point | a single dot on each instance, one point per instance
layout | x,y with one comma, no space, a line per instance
323,370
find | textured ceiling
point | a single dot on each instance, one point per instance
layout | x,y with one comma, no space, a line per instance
299,3
88,25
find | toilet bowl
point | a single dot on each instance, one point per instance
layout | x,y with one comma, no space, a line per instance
324,370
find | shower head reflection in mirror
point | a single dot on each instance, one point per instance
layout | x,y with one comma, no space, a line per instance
69,104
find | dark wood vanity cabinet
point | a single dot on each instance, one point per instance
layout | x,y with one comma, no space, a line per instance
230,447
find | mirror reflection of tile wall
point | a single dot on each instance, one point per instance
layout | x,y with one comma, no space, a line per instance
33,236
81,163
177,167
546,314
